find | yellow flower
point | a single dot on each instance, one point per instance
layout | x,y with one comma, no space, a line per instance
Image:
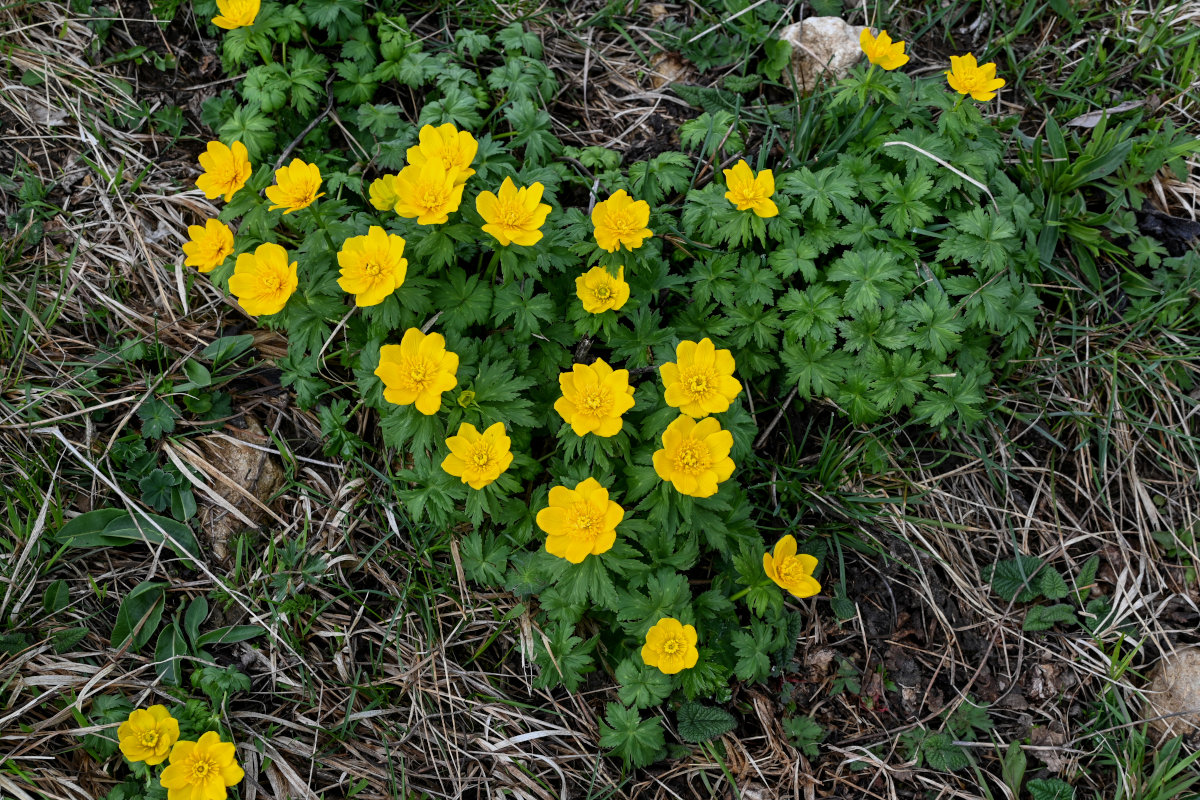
882,51
700,381
670,646
580,522
373,266
516,216
750,191
594,396
968,77
791,571
427,192
210,245
455,150
695,456
148,735
263,281
226,169
201,770
417,370
478,458
295,186
235,13
383,193
621,220
600,291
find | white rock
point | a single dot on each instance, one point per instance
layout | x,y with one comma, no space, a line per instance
1175,687
822,48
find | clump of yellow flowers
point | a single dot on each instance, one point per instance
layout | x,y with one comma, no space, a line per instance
203,769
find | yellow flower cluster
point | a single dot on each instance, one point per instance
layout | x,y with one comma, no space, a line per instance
965,76
200,770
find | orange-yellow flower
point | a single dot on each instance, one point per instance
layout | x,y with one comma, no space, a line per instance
383,193
580,522
882,51
428,192
478,458
263,281
373,266
295,186
515,216
600,291
226,169
621,220
210,245
670,646
236,13
594,396
790,570
700,381
966,76
748,191
455,150
201,770
148,735
418,370
695,456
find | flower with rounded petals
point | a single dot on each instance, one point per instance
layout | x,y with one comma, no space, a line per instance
966,76
695,456
417,371
295,186
455,150
263,281
594,396
226,169
478,458
148,735
791,571
236,13
580,522
201,770
210,245
882,51
427,192
700,381
383,193
753,192
600,291
670,646
515,216
373,266
621,220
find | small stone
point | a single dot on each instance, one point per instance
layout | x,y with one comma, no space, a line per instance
823,48
1175,687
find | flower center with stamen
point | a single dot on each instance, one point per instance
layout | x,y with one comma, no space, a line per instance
692,457
585,519
791,570
433,197
272,281
149,739
699,383
621,224
482,455
201,769
603,291
372,268
596,401
672,646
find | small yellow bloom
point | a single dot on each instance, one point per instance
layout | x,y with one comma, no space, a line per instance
700,381
210,245
373,266
791,571
695,456
600,291
295,186
516,215
594,396
455,150
882,51
263,281
750,191
427,192
383,193
478,458
670,646
148,735
226,169
580,522
417,370
236,13
966,76
621,220
201,770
